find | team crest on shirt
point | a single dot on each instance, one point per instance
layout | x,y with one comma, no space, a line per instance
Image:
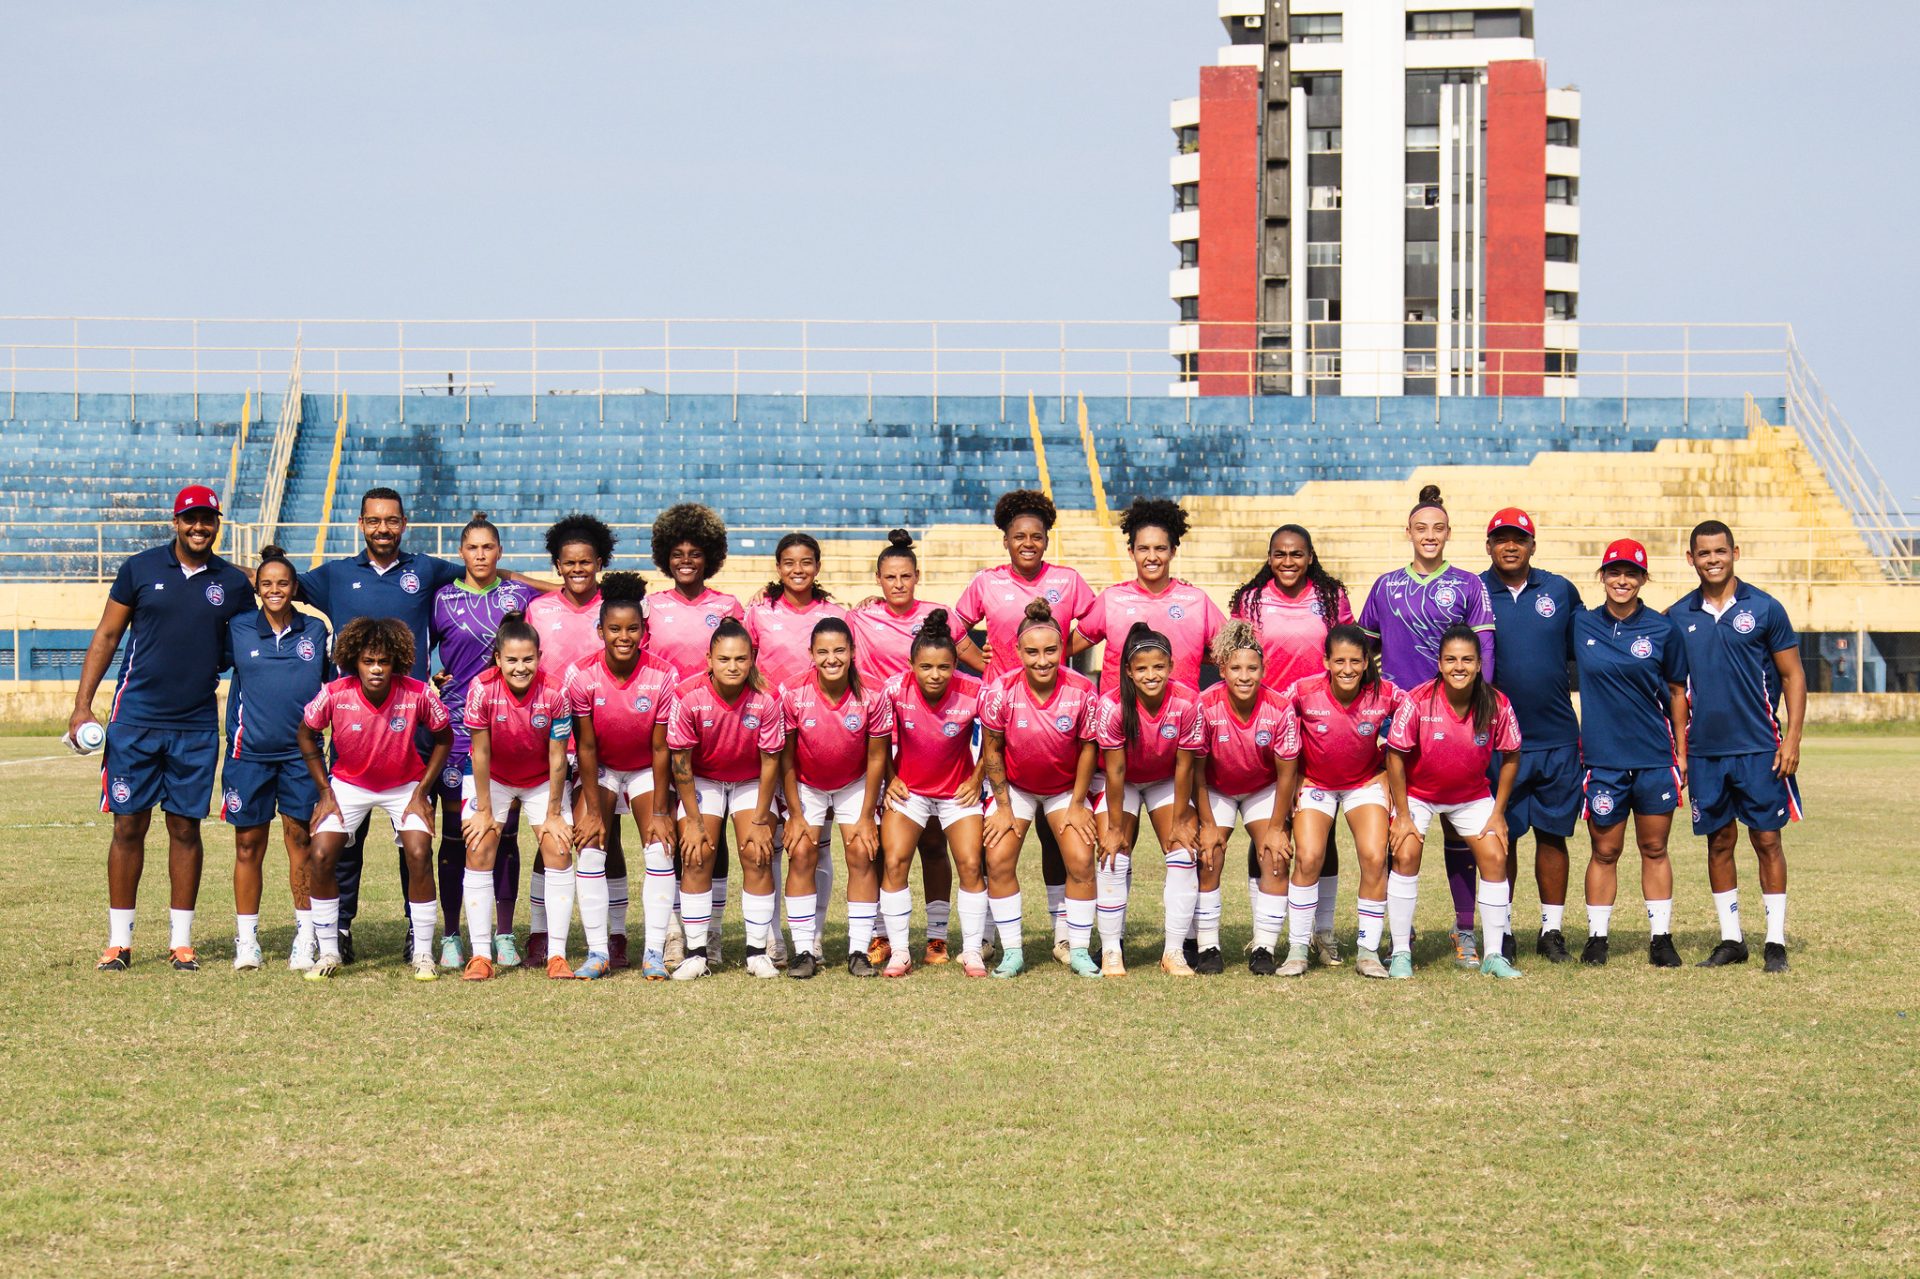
1366,728
410,582
217,595
232,802
1479,739
712,620
1446,597
1063,722
1543,605
1313,606
305,649
948,729
539,720
450,776
120,791
398,724
1261,739
1642,647
1603,803
640,702
852,723
1169,732
1742,621
751,721
1175,612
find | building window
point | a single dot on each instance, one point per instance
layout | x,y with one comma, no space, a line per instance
1189,253
1423,252
1423,195
1323,141
1562,363
1423,137
1452,24
1189,366
1563,248
1323,254
1421,362
1186,196
1563,133
1323,199
1189,309
1561,306
1563,191
1317,311
1189,139
1314,28
1324,364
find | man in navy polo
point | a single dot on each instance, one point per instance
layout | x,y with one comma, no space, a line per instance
172,603
1533,612
1744,658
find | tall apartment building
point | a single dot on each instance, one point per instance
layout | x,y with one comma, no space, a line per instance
1376,197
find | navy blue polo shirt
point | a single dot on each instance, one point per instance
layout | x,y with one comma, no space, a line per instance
1625,669
1533,643
274,677
351,588
1734,686
172,666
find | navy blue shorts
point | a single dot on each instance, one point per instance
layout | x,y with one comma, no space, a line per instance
252,790
1612,793
1546,793
171,767
1740,788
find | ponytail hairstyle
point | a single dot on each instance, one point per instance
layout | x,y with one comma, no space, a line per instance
1237,634
1141,638
837,626
1481,696
934,632
1012,506
1326,587
1145,513
272,554
479,520
774,589
515,626
623,590
1429,497
899,545
734,628
1351,634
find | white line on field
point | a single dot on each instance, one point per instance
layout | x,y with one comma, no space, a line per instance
38,759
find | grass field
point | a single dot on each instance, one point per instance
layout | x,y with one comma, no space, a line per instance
1581,1121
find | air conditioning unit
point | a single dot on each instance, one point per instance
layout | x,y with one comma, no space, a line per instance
1251,22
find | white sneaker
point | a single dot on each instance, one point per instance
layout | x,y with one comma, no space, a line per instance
1062,950
423,969
324,966
691,967
246,955
762,966
300,959
676,952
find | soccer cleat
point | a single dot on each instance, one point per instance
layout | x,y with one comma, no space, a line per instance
1112,964
760,964
1595,951
1298,958
676,952
558,969
1400,966
479,968
183,959
972,964
1062,950
1190,951
246,956
453,956
1326,949
324,966
1012,963
858,965
617,952
936,952
1080,962
301,955
1209,963
777,947
900,965
1551,945
598,965
1175,965
989,947
115,959
1660,952
693,966
1499,966
1260,963
1510,949
346,946
1727,952
803,966
423,969
653,966
505,953
536,950
1466,951
879,951
1775,956
1367,964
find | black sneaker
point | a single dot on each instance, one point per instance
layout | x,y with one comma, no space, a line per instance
803,965
1776,957
1209,963
1551,945
1660,951
1260,962
858,965
1727,952
346,946
1510,948
1190,951
1595,952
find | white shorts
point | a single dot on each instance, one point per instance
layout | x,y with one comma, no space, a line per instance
1156,794
724,799
921,809
1466,819
532,800
845,804
356,804
1025,804
1330,802
629,787
1254,806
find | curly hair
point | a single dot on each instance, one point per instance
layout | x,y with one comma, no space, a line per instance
1233,637
581,527
690,522
1155,512
623,590
387,636
1012,506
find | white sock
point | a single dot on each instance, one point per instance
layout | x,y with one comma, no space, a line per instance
1599,919
1551,916
658,893
1303,911
1329,899
537,898
590,890
1496,914
617,906
759,911
180,929
938,913
897,907
880,924
860,916
246,928
1111,886
1180,897
1660,916
1403,896
326,925
1727,906
696,914
1006,919
822,891
1373,918
476,894
801,915
1057,908
120,927
1774,905
973,920
303,921
1269,914
1206,918
560,891
422,915
1080,922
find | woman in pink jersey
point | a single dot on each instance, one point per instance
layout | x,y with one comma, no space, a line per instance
518,725
1332,760
1443,740
1038,755
1243,720
1149,729
781,619
620,699
885,629
725,739
1180,611
835,768
372,714
936,778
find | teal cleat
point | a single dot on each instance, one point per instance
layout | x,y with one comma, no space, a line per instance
598,965
1081,964
1496,965
1400,967
453,956
505,953
1012,963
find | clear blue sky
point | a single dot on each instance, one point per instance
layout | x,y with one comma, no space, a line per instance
971,159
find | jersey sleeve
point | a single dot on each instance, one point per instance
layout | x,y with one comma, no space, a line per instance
683,726
1342,609
1673,654
474,713
434,711
993,708
1079,600
1403,732
1193,730
969,609
1286,743
1780,633
1370,612
441,572
1506,726
123,590
576,695
318,712
773,727
879,713
1094,624
1109,725
314,588
1212,622
752,622
1088,729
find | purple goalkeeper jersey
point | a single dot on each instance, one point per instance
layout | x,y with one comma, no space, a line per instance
1408,614
464,623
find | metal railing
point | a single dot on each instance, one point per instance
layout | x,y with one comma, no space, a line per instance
286,434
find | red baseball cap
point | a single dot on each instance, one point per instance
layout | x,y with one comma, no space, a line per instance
1625,551
196,497
1510,517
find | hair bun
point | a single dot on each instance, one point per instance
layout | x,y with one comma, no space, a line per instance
272,551
623,587
1431,494
513,615
1038,611
1138,628
899,537
937,623
479,515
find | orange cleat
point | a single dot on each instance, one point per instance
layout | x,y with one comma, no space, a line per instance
183,959
479,968
115,959
936,951
879,951
558,969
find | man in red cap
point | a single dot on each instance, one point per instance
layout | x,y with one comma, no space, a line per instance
172,602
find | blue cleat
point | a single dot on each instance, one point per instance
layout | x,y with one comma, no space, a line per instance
598,965
1081,964
1012,963
1400,967
653,966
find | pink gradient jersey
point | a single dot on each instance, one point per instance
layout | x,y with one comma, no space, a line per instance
1293,632
373,745
1339,747
623,711
1239,751
883,639
1160,739
782,635
679,629
999,596
1182,612
568,635
1446,759
830,738
933,743
727,740
1043,735
518,727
